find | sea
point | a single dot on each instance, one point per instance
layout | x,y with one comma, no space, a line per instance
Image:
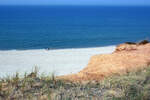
60,27
62,39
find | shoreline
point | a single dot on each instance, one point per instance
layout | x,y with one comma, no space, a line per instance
52,49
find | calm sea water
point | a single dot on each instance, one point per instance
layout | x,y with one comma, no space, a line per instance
38,27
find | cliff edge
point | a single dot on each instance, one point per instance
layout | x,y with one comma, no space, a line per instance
126,58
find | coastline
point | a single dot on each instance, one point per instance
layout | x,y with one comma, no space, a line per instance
127,86
59,61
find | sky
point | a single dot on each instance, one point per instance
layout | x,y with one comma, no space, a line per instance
75,2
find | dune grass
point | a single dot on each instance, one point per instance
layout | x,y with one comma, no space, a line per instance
32,86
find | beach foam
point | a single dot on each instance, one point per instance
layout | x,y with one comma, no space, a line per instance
61,62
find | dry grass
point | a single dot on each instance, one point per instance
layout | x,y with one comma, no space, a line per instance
132,86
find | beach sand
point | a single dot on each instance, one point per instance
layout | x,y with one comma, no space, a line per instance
59,62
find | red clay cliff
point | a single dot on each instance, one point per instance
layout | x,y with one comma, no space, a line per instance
126,58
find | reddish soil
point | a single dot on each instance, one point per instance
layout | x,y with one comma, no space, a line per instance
126,58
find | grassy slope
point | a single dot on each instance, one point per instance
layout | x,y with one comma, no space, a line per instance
133,86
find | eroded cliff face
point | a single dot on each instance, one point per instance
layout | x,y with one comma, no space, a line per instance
126,58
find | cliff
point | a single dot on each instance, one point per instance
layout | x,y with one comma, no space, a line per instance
126,58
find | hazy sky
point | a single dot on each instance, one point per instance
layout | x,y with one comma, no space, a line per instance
74,2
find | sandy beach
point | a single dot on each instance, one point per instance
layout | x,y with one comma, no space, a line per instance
59,62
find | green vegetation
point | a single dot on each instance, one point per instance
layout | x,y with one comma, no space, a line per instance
132,86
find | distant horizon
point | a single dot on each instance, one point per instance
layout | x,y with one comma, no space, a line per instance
75,5
77,2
